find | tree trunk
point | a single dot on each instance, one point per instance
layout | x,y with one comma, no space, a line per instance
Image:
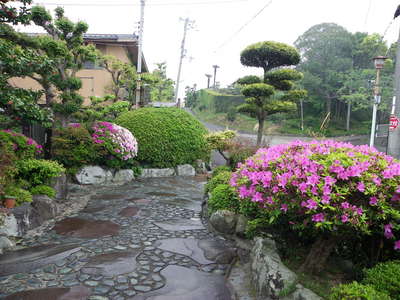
302,114
348,116
261,119
318,255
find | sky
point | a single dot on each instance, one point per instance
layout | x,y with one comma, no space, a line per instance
223,28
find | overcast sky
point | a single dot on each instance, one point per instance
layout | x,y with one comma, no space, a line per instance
215,38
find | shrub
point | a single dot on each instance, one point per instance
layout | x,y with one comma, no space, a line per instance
220,169
385,277
222,177
43,190
223,196
21,194
73,147
38,172
239,152
330,187
22,146
7,164
356,291
167,137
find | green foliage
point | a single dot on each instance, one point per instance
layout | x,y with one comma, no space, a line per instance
22,146
220,140
269,55
73,147
249,79
221,177
239,152
13,14
162,88
356,291
7,164
220,169
231,114
385,277
167,137
19,193
257,91
218,102
38,171
43,190
223,196
282,79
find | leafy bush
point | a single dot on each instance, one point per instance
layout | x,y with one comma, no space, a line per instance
223,196
22,146
38,172
21,194
73,147
385,277
167,137
222,177
231,114
239,152
43,190
324,186
7,164
356,291
220,169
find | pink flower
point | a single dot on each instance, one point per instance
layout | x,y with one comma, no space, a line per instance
318,217
311,204
344,218
388,231
284,207
397,245
361,186
373,201
345,205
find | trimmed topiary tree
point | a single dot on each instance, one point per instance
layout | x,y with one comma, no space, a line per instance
167,137
333,189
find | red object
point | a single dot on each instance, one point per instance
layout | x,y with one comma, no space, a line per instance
394,122
9,202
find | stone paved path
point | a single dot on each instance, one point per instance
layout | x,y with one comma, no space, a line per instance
143,240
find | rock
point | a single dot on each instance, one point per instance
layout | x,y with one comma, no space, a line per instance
27,218
185,170
60,184
302,293
241,225
123,176
269,274
93,175
147,173
8,225
200,167
5,244
223,221
45,206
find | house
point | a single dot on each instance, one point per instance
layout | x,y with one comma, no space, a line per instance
95,78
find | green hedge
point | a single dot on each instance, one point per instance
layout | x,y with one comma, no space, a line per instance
356,291
166,137
217,102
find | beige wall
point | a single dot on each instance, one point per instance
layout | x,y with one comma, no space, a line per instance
94,81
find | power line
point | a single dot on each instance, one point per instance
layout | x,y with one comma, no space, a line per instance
99,4
244,25
367,15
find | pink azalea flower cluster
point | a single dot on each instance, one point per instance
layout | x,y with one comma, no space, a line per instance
123,143
327,184
38,149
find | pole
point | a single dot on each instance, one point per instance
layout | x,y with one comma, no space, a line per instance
375,108
302,114
215,74
394,135
185,29
139,60
208,80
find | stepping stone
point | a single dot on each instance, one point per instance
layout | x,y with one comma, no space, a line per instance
203,251
188,284
139,200
129,212
112,264
184,203
180,224
160,194
28,259
73,293
83,228
108,197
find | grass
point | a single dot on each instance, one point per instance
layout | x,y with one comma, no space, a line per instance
280,124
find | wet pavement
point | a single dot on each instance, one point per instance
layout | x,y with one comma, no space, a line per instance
143,240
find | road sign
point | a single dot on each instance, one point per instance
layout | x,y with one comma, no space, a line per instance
394,122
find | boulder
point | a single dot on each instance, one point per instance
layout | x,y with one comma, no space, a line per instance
123,176
302,293
241,225
147,173
93,175
223,221
5,244
27,218
8,225
185,170
46,207
60,184
200,167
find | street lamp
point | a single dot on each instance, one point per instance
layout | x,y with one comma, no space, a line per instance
379,61
208,80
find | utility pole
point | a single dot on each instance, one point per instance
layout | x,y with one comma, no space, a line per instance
394,132
215,74
139,60
208,80
188,25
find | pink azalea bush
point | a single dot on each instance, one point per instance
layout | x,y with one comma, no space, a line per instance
22,145
326,185
119,141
